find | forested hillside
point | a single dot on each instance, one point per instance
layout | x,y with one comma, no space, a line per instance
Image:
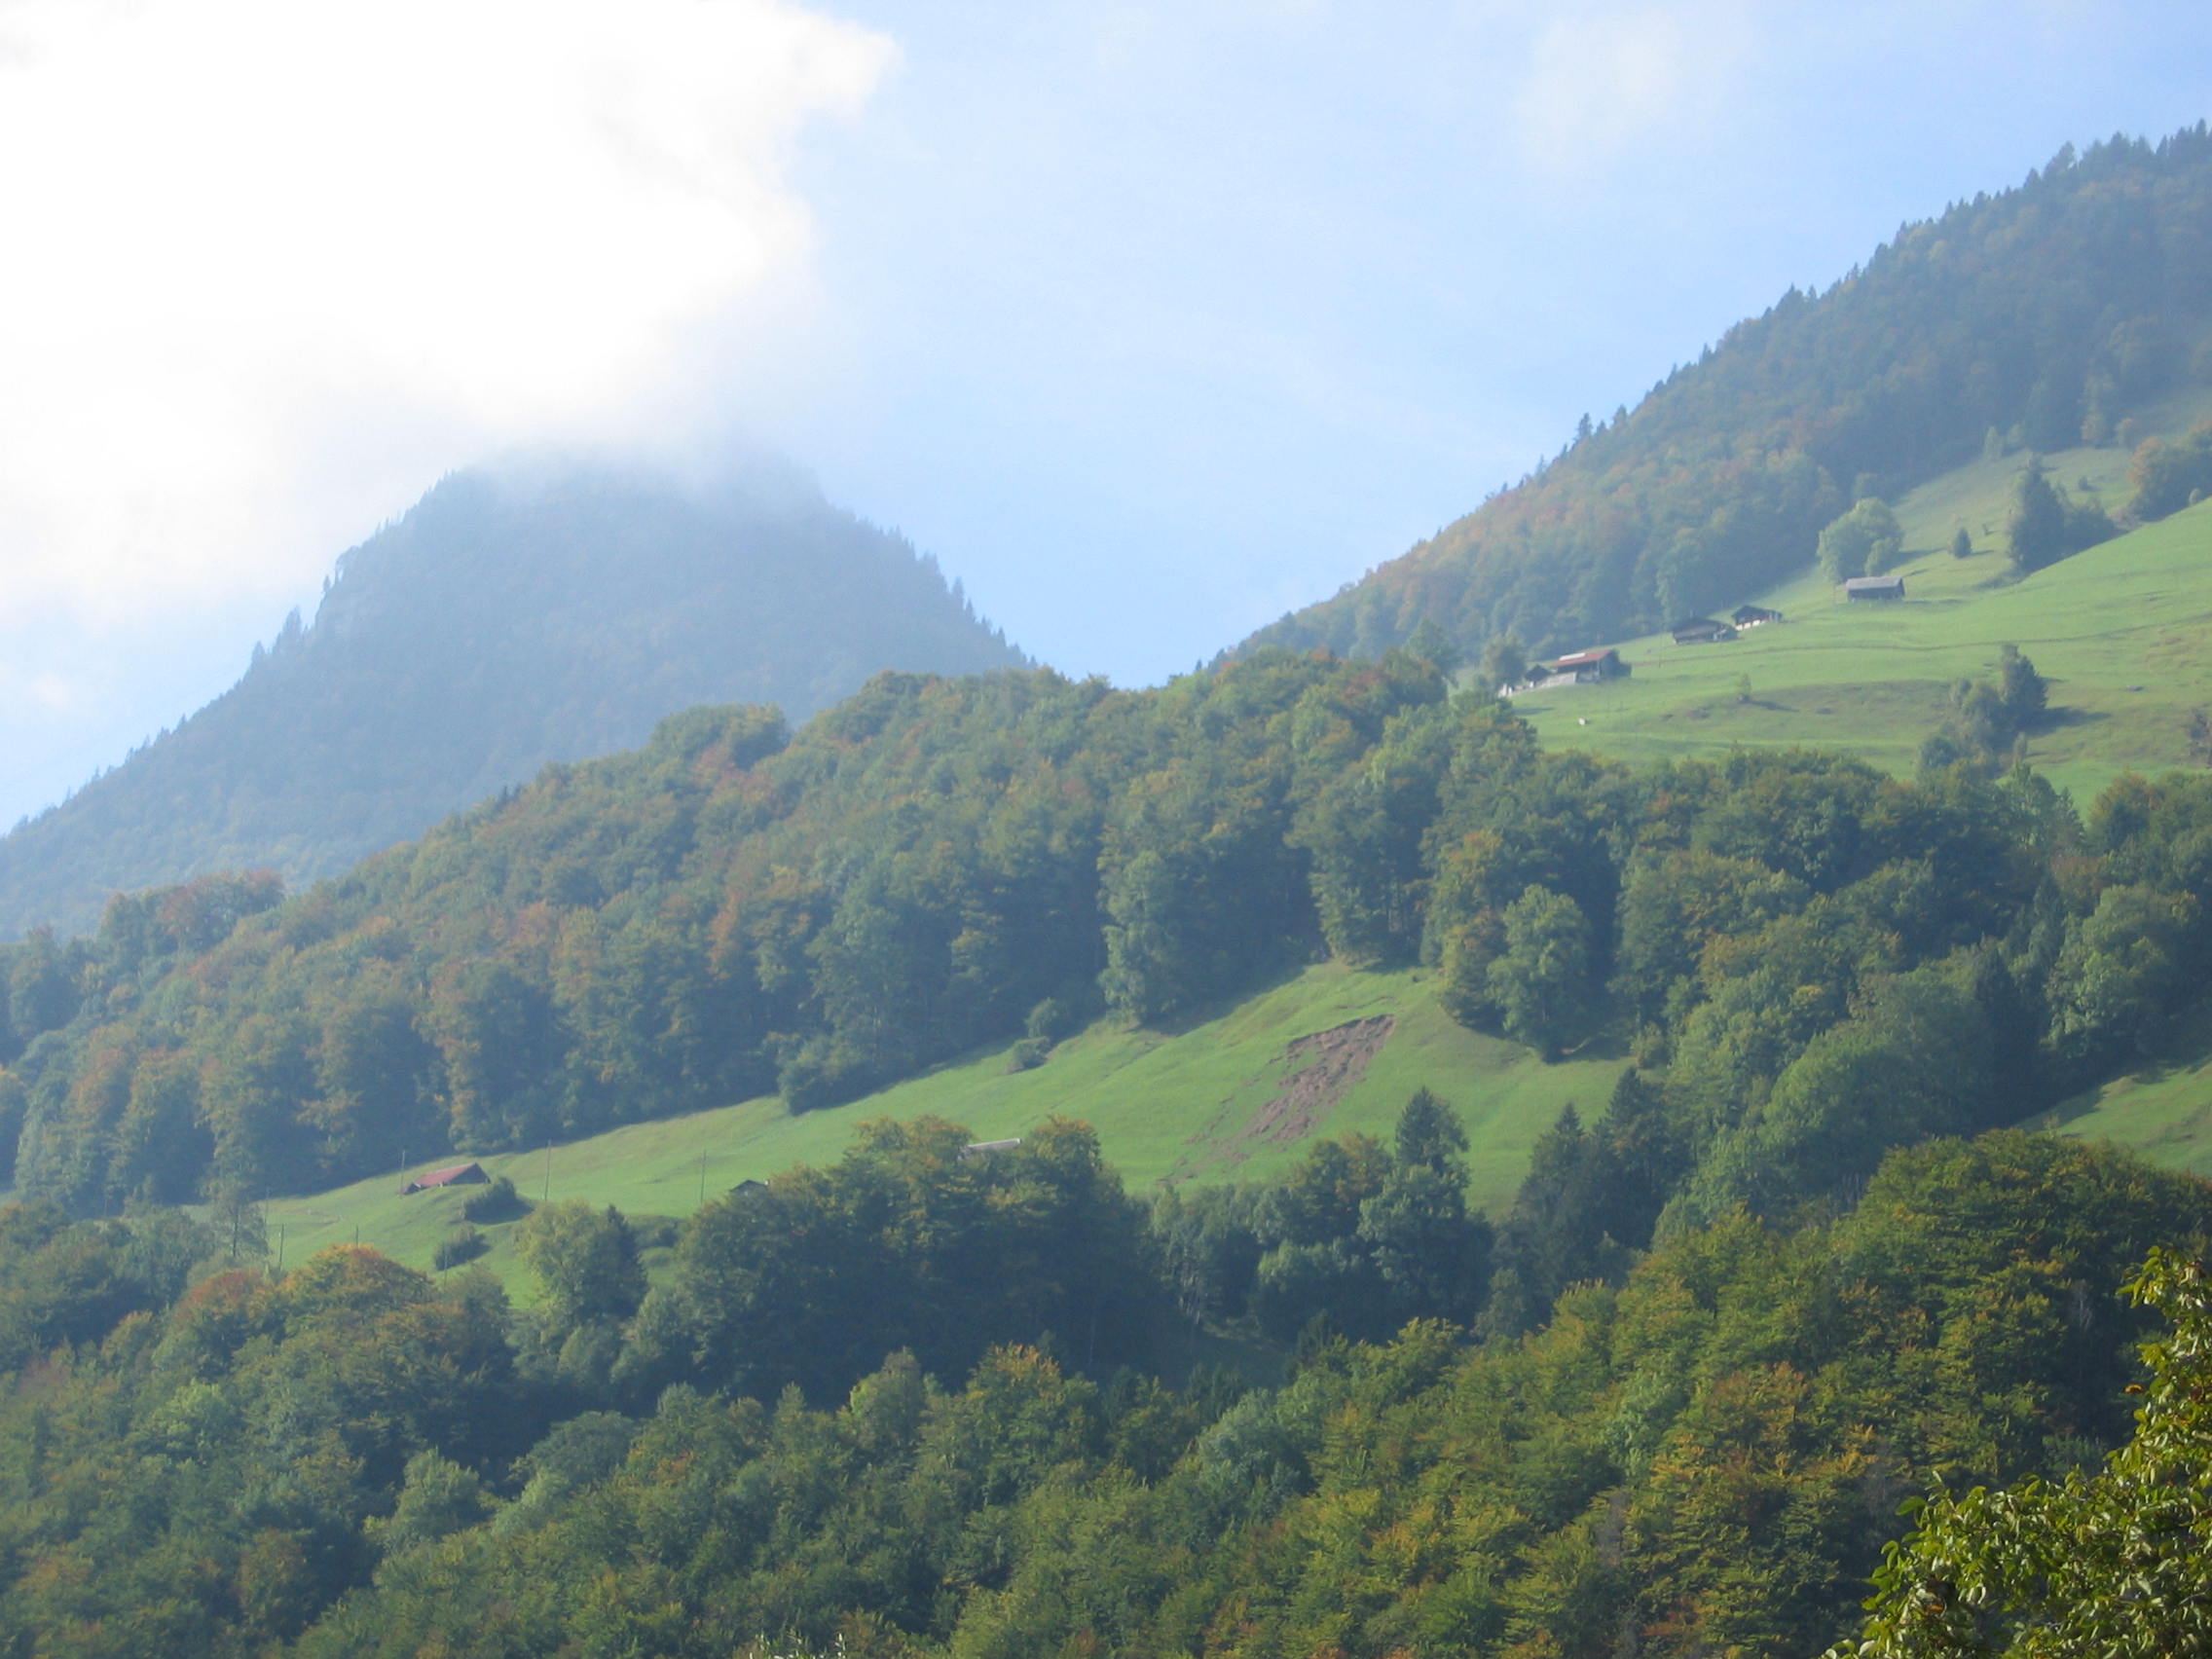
911,1405
1807,962
726,912
2035,319
512,618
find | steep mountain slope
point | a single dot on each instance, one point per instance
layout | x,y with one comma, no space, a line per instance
509,620
2040,316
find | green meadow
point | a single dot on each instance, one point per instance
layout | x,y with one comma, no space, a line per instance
2123,632
2162,1108
2163,1112
1232,1097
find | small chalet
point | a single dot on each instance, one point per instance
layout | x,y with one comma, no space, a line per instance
1587,668
458,1175
746,1188
1702,631
1858,588
1752,615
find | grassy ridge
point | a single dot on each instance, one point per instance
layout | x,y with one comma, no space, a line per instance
2123,632
1212,1101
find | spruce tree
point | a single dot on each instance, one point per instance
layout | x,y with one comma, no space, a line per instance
2034,530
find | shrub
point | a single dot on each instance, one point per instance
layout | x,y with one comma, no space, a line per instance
499,1202
464,1245
655,1231
1052,1018
2046,524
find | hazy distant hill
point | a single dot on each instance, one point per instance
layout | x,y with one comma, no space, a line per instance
507,620
2039,318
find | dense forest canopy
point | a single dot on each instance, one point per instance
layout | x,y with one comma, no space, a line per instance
512,617
2108,1559
2039,318
1705,1452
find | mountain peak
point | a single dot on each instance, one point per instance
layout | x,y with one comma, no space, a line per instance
541,608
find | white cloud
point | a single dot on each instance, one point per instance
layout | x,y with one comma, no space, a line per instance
51,691
1600,81
272,266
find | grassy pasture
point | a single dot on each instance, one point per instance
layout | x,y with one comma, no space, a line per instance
2162,1108
1216,1100
2123,632
2120,631
2163,1112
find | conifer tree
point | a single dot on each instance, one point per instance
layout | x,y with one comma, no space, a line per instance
2034,530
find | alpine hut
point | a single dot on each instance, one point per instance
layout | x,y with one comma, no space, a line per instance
1587,668
455,1175
1874,588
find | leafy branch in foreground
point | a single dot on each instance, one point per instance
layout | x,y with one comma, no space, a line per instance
2112,1563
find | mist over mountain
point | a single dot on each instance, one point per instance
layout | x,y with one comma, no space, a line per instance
512,617
2034,319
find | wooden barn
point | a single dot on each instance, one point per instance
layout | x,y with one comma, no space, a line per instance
1587,668
1752,615
457,1175
1702,631
1876,588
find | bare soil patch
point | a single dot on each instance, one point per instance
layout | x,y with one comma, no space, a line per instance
1317,1071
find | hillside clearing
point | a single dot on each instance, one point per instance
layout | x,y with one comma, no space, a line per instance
1236,1096
2123,633
2162,1108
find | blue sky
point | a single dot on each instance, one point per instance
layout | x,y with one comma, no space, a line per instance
1182,322
1150,322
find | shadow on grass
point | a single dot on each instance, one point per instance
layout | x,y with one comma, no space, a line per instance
1609,1043
2187,1049
1729,705
1226,1003
2059,718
